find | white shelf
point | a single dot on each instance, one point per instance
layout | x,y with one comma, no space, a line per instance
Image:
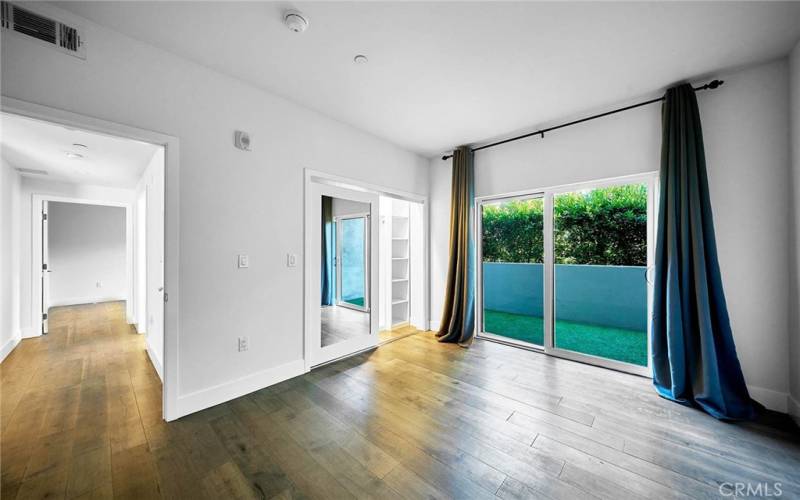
400,239
399,258
399,280
401,301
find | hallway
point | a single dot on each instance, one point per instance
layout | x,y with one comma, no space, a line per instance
75,405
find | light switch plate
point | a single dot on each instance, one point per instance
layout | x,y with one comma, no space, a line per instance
244,261
291,260
244,344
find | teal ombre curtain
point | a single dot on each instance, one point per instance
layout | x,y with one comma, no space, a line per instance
693,355
458,317
327,253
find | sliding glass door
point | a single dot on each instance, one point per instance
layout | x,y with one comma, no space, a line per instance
512,269
352,255
566,271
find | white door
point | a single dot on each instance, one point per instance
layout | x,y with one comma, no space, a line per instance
154,241
45,269
333,330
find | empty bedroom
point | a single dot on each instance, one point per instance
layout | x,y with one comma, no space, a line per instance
333,250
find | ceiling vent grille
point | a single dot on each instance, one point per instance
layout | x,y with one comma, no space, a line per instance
46,30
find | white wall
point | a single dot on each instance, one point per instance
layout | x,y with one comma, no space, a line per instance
794,310
745,126
87,253
31,186
10,192
231,201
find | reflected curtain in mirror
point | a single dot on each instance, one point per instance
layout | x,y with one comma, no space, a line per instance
693,354
327,253
458,316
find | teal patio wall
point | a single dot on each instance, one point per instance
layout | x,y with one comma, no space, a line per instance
614,296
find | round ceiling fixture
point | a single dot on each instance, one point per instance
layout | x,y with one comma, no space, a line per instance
295,20
360,59
74,156
79,145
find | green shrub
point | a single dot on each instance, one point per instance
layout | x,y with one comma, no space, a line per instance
606,226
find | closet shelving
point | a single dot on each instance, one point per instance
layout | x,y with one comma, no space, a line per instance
400,268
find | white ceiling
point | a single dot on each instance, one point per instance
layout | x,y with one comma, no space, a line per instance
447,73
38,145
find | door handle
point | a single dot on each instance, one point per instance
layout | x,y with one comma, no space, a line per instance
161,289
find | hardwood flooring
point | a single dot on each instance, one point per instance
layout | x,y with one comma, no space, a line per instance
412,419
339,323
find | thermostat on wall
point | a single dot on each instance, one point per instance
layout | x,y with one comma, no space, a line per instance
241,140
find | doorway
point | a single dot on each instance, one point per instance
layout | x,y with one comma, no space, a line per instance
565,270
68,160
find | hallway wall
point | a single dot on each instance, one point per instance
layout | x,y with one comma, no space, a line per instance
87,253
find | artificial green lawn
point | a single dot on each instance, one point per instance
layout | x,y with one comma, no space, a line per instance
357,301
629,346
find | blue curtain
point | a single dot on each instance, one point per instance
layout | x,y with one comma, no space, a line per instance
328,251
693,355
458,317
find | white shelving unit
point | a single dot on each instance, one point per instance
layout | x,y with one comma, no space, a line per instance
400,266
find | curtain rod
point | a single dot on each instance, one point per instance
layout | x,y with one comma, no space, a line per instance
713,84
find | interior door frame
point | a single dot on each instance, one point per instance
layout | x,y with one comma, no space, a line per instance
310,281
37,264
338,264
172,408
649,178
318,354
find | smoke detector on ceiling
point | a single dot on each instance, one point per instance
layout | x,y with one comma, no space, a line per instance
295,20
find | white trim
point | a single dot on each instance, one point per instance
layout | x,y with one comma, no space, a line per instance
10,345
233,389
154,359
73,301
794,408
29,333
171,221
773,400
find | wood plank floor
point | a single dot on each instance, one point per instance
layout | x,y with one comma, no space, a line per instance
413,419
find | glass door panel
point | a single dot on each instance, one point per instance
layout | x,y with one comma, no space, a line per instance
512,270
600,253
353,259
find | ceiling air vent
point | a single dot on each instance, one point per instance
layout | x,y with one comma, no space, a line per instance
46,30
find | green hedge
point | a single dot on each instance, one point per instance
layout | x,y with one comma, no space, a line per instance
605,226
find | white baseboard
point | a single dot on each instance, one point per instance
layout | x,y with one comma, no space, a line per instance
773,400
139,328
433,326
74,301
28,332
221,393
156,361
794,409
9,346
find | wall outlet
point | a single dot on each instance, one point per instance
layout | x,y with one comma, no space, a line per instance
291,260
99,284
244,344
243,261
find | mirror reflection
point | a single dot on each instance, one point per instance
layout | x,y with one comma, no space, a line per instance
345,270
